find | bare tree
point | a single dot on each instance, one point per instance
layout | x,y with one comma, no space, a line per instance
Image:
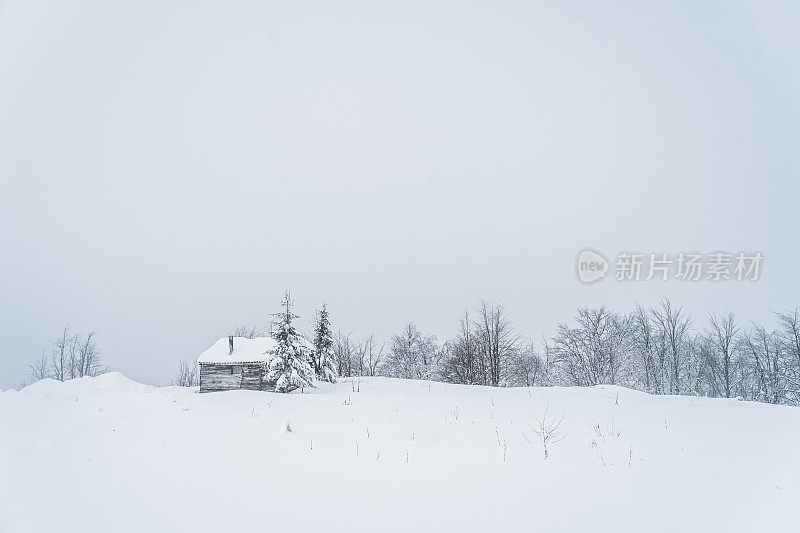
88,361
764,351
72,355
548,430
246,331
73,359
527,368
462,362
186,375
60,355
649,371
371,354
721,352
672,327
40,369
497,339
343,353
358,360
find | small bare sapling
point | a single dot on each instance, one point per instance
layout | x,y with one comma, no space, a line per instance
548,429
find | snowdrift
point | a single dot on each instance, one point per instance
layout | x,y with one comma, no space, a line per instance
108,382
110,454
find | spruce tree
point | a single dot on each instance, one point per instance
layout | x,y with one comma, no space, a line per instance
288,366
324,364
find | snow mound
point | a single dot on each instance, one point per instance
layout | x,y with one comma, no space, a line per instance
44,385
108,382
113,381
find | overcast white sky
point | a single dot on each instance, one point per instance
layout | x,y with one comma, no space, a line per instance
167,169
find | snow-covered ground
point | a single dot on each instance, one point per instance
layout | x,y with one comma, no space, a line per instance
108,454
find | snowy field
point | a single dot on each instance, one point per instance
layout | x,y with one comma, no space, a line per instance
108,454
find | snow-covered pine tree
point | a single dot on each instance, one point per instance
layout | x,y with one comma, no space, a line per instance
288,366
324,363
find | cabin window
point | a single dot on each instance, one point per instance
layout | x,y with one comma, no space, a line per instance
236,370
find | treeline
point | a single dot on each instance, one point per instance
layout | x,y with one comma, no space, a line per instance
659,349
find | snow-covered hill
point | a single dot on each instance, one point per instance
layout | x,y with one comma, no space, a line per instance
376,454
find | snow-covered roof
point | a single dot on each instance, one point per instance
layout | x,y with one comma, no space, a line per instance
244,351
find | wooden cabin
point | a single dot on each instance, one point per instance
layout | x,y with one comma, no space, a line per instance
236,363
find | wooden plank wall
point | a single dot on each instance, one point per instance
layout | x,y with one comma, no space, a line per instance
215,377
219,377
251,376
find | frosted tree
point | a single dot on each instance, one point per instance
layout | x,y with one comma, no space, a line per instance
592,353
288,366
789,335
412,355
323,358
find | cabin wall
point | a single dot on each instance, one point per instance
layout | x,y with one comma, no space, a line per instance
214,377
220,377
252,376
